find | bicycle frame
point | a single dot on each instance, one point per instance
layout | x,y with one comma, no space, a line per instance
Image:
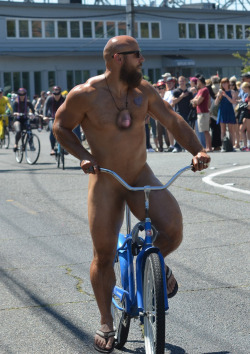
134,299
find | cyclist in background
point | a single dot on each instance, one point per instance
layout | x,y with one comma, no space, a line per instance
4,103
21,106
51,105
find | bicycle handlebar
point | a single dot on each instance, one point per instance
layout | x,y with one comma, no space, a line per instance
155,188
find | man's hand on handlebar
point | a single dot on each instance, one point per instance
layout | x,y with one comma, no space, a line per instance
90,167
201,161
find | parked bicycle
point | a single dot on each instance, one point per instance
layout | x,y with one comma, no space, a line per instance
5,136
141,289
29,144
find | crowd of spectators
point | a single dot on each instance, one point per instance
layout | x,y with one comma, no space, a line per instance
218,109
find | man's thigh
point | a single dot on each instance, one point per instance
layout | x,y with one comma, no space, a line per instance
164,210
105,211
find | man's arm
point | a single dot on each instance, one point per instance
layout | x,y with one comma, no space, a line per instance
69,115
181,131
9,105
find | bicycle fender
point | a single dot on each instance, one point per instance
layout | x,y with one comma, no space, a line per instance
139,275
122,254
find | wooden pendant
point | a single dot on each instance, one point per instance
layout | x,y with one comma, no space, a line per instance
124,120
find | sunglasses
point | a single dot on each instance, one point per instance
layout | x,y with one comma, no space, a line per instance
56,93
161,88
136,52
22,94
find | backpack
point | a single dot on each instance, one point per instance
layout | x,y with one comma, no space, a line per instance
227,145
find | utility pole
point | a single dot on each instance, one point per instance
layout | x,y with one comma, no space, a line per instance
130,18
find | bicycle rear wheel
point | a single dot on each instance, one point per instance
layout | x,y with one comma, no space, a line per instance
153,298
120,318
32,149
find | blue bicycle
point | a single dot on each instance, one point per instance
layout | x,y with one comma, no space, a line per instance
139,267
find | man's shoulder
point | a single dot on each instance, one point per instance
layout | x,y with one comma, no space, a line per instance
177,92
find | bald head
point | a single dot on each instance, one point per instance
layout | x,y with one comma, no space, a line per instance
119,44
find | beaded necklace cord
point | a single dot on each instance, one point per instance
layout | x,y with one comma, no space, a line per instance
126,102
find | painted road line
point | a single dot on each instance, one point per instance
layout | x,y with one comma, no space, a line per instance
22,207
208,179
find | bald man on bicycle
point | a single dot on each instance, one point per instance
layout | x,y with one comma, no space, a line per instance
111,109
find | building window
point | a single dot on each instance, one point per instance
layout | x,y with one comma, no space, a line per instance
155,30
247,32
51,79
70,79
87,29
49,29
239,32
86,75
202,31
62,29
16,81
110,29
26,81
11,28
23,29
122,28
99,32
144,30
74,29
182,30
211,31
7,82
221,31
36,29
230,32
37,82
192,30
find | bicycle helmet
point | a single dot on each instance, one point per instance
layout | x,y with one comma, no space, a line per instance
22,91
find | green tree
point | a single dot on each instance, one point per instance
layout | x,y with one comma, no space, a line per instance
245,59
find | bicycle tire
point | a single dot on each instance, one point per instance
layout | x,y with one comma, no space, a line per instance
19,154
154,306
62,158
121,319
6,140
32,149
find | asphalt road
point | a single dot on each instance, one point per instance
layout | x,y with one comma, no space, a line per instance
47,303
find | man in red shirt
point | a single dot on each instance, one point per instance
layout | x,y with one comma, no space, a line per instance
202,104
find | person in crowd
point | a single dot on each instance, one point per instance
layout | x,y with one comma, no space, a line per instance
202,103
4,105
213,110
35,99
21,106
193,85
149,147
182,104
226,98
165,76
161,130
245,77
232,85
245,126
39,108
51,105
168,97
111,109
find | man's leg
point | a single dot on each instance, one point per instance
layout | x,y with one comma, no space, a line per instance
105,209
164,212
17,127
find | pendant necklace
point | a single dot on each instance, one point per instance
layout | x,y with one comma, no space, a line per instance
123,118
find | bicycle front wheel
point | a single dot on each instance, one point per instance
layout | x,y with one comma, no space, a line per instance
120,318
32,149
19,154
154,309
6,139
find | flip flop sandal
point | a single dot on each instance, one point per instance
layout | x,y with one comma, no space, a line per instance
168,275
105,335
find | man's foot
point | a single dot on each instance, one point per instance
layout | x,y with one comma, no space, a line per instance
15,148
172,285
52,152
104,340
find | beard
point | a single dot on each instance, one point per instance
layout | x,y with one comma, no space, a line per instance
131,77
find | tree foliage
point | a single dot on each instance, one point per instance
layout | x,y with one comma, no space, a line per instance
245,59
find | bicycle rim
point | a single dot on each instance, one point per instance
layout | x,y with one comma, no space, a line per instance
19,154
153,297
121,319
32,149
